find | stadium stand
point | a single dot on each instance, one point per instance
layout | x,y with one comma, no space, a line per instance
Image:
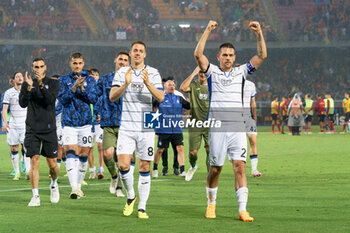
314,20
47,19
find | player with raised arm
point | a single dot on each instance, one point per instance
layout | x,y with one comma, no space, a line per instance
250,119
77,92
137,84
226,85
199,101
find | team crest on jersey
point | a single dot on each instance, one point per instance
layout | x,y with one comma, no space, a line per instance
137,86
203,96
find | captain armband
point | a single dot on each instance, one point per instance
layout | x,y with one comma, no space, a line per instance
251,68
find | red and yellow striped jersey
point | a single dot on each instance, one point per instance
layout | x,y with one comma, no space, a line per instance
274,107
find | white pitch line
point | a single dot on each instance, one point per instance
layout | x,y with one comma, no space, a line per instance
66,186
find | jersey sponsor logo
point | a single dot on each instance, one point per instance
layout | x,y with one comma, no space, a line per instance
203,96
226,82
137,87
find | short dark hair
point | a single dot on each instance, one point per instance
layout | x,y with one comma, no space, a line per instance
138,42
38,59
227,45
94,70
164,80
76,55
308,95
275,96
14,75
122,53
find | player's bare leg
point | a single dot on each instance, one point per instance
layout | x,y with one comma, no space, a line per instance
100,159
127,178
212,188
91,164
54,170
253,152
181,159
157,157
144,187
34,180
115,186
241,190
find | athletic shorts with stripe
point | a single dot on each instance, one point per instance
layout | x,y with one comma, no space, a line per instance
232,144
143,142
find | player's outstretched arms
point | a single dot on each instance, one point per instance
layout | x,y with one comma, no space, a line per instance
202,60
261,46
116,91
185,85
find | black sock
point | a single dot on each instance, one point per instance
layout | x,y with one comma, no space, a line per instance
155,166
130,200
182,168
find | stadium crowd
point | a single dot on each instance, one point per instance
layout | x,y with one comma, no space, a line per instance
140,21
297,72
329,21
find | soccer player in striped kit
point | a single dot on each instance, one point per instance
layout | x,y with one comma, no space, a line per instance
137,83
226,84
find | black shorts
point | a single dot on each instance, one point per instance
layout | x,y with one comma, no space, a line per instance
46,141
285,119
321,118
347,117
308,119
331,117
274,117
165,139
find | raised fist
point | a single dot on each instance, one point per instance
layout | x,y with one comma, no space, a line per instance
255,26
212,25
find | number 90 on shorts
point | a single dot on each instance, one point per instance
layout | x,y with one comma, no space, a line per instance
81,136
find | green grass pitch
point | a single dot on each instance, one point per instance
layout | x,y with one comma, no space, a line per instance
305,187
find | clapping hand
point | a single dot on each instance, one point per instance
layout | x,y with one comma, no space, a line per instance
29,80
128,76
144,76
78,84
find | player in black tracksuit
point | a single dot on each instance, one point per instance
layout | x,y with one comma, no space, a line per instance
39,96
